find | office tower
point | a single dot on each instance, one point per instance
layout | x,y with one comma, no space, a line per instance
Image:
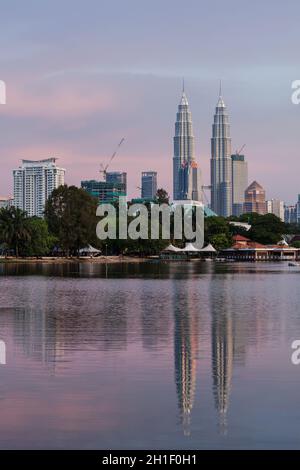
276,207
221,163
290,214
104,191
117,177
255,199
298,210
34,182
239,183
149,184
186,175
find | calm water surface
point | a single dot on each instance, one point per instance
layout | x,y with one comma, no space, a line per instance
178,355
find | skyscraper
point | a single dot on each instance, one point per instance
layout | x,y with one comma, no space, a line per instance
290,214
239,183
276,207
255,199
185,168
149,184
221,172
34,182
298,210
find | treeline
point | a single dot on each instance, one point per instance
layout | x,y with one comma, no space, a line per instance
265,229
70,224
24,236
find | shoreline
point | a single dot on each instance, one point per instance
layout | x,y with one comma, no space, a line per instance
65,260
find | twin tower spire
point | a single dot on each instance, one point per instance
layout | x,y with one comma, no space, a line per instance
186,174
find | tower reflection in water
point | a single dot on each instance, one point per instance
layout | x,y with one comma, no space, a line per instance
222,354
224,325
185,351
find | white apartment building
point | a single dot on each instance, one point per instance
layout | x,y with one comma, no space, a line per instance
34,182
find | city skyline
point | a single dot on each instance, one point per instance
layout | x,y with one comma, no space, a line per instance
227,182
77,101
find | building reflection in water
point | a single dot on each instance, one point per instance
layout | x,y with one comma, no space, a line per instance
222,358
185,350
58,319
87,319
37,334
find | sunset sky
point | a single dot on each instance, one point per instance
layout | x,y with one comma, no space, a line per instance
81,75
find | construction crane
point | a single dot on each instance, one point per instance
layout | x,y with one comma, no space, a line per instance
238,152
103,169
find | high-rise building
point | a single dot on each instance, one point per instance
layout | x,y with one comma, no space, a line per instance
34,182
117,177
221,163
290,214
276,207
239,183
104,191
255,199
186,177
149,184
298,210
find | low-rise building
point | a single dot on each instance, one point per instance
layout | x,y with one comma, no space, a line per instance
245,249
6,202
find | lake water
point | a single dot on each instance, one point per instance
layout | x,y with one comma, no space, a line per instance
149,356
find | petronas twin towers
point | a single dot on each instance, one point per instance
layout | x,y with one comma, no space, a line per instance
186,175
221,163
185,169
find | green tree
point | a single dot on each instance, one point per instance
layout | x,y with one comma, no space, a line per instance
40,242
220,241
266,229
71,216
217,231
162,197
13,228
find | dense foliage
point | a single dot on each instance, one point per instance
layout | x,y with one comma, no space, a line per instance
266,229
217,232
25,236
71,216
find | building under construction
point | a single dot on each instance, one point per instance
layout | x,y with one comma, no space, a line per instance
105,191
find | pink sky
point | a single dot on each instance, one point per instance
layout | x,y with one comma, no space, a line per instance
79,81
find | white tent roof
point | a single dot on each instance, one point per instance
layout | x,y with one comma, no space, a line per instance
283,243
172,248
190,247
89,249
209,249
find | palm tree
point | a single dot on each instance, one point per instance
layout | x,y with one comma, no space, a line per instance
13,228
